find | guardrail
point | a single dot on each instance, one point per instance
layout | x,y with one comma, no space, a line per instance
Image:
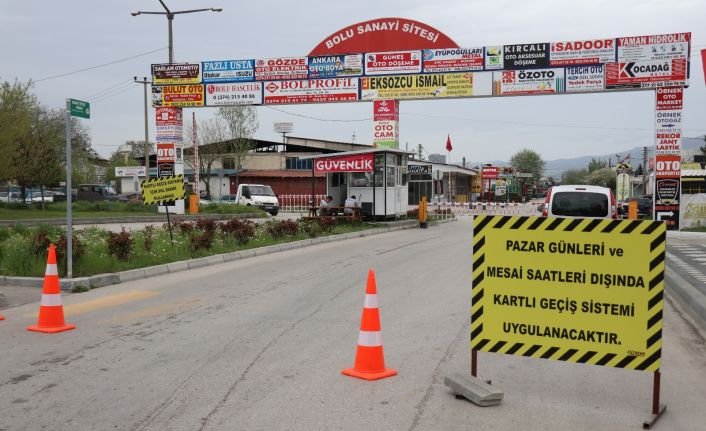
298,203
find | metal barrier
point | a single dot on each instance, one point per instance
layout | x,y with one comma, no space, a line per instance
298,203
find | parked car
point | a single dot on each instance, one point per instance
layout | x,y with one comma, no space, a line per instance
98,192
644,207
579,201
10,197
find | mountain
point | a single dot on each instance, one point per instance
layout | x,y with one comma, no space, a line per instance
556,167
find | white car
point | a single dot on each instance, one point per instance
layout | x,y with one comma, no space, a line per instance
10,197
579,201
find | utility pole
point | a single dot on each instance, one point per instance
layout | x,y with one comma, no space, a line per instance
144,83
644,171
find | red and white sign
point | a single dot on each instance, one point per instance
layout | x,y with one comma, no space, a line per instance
647,74
582,52
654,48
453,59
386,110
269,69
490,172
668,133
389,63
311,91
668,166
166,116
383,34
352,163
166,153
245,93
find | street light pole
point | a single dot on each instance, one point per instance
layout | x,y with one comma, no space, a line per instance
144,82
170,17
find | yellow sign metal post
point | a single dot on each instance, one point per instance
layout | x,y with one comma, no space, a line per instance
163,190
569,289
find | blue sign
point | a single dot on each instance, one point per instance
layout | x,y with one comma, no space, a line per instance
335,66
228,71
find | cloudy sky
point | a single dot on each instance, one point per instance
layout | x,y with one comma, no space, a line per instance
43,39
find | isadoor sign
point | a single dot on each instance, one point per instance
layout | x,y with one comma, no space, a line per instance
350,163
570,289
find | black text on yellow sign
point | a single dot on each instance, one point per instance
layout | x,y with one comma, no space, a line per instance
162,190
579,290
417,86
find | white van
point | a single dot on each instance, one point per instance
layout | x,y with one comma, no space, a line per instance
258,195
579,201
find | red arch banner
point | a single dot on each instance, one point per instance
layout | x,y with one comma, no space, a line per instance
383,34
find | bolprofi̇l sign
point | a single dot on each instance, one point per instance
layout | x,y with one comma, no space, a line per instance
351,163
311,91
581,290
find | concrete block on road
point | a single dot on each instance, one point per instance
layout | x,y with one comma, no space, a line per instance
153,271
101,280
215,259
198,263
178,266
133,274
473,389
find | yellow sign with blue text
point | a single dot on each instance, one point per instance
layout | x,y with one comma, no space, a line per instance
569,289
163,190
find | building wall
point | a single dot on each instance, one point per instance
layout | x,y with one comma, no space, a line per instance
281,186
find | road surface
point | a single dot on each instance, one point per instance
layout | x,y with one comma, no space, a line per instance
259,344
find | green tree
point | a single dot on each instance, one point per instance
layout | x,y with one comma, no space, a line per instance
602,177
17,111
574,176
528,161
241,124
596,164
211,138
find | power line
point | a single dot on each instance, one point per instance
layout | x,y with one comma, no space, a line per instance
106,90
317,118
100,65
112,94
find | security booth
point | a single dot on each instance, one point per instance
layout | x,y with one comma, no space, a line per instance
377,178
420,182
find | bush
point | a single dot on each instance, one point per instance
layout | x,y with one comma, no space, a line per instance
311,228
202,241
279,229
242,231
40,243
120,245
326,223
148,237
77,249
207,225
413,213
184,226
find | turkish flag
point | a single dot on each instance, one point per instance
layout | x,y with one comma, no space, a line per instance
703,61
448,143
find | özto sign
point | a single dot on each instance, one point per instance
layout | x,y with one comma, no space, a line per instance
354,163
166,153
538,81
311,91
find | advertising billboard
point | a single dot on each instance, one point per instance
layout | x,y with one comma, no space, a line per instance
537,81
585,78
452,60
646,74
311,91
654,48
390,63
335,66
224,94
525,56
270,69
177,95
582,52
417,86
228,71
493,57
176,74
166,116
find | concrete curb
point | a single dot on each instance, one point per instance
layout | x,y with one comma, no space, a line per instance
679,234
117,220
690,299
100,280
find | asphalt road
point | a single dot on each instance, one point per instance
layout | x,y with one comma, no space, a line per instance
258,344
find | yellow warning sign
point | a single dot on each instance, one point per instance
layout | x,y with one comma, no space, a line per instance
579,290
425,86
162,190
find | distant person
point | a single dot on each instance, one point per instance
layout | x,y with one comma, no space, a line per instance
324,205
350,203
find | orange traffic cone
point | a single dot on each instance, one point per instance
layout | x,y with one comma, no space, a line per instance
2,318
51,310
369,359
